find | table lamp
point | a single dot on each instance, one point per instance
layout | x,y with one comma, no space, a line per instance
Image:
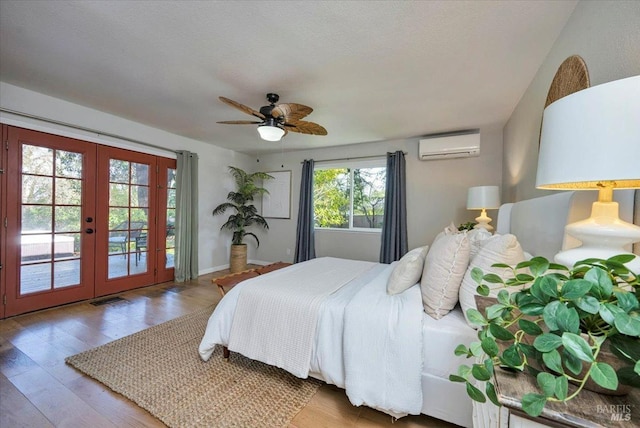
591,141
483,198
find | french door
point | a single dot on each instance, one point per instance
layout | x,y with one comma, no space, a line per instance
82,220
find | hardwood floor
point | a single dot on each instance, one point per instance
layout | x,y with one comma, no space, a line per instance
37,389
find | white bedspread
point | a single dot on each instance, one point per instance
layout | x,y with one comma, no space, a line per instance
281,311
349,356
383,348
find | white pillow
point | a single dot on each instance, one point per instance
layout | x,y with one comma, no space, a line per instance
476,237
444,267
407,271
497,249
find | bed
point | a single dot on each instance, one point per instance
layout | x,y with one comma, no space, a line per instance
385,351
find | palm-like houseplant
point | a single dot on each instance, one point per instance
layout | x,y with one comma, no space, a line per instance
558,328
245,214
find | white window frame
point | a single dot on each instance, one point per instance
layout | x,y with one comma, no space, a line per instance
351,165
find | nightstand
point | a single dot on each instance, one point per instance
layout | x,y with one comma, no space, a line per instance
587,410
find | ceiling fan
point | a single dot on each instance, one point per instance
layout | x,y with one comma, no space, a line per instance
276,120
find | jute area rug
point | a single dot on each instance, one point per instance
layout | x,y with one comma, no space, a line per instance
160,370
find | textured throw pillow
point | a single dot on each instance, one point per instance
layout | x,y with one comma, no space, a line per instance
497,249
407,271
444,268
476,237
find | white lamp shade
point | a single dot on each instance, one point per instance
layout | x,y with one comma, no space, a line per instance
591,139
483,197
270,133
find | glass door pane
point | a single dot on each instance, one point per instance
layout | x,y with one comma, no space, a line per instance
126,218
166,234
50,236
51,199
170,241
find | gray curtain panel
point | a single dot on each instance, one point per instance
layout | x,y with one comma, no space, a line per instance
186,257
305,241
394,227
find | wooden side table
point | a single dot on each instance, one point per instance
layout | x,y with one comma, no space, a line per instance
587,410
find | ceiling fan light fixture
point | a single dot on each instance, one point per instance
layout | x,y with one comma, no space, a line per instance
270,132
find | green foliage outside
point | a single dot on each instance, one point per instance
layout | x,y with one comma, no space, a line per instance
39,205
332,195
368,196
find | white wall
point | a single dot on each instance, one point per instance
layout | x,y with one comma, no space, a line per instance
214,181
436,195
606,34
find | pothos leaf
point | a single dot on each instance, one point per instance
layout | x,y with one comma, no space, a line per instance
547,383
604,375
547,342
456,378
476,275
475,393
480,372
490,346
627,324
553,361
491,393
577,346
562,388
533,404
475,317
500,332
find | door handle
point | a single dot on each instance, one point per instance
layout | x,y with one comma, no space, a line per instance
89,219
89,231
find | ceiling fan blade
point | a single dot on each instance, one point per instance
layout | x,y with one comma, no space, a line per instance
304,127
242,107
238,122
291,111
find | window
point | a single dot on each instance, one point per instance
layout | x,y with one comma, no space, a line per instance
349,196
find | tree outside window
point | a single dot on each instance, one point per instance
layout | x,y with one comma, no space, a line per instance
349,198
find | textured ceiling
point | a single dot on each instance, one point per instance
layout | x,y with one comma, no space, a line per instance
371,70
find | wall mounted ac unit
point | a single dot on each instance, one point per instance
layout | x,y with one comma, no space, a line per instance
449,146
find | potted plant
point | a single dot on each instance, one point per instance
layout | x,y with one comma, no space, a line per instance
245,214
467,226
558,327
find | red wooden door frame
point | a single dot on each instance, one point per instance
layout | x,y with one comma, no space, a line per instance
164,274
3,215
17,303
95,201
103,284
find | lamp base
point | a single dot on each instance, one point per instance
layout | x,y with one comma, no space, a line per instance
483,221
603,235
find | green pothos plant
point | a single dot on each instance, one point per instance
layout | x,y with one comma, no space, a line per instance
467,226
555,328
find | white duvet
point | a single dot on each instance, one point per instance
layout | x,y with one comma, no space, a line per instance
366,341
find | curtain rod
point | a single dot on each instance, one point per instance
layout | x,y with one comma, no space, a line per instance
82,128
353,158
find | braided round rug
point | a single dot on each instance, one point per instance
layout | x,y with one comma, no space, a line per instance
161,371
